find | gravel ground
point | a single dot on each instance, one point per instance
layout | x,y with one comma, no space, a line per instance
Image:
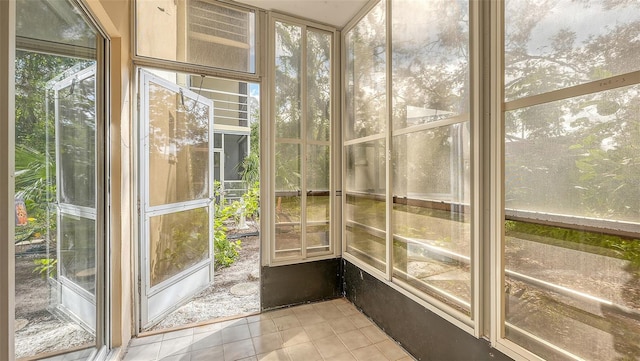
40,331
218,301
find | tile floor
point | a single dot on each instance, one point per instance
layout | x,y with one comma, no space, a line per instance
331,330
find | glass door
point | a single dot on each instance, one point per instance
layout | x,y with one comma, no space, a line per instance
176,191
75,207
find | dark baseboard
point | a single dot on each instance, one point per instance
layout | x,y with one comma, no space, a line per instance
421,332
301,283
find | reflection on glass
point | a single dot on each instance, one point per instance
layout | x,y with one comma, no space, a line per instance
54,22
78,251
430,51
365,93
56,181
197,32
288,200
550,45
76,142
177,241
235,150
297,141
318,239
572,167
318,85
365,214
318,200
178,147
431,219
288,80
578,156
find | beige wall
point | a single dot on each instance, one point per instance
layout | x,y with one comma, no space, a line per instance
159,31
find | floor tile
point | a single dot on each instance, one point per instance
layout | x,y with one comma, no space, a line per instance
329,311
369,353
302,308
206,340
359,320
237,350
207,328
354,339
208,354
262,327
286,322
267,342
330,331
252,358
347,309
235,333
303,352
330,346
181,357
294,336
309,317
147,352
175,346
319,330
176,334
374,334
256,318
280,312
341,357
391,350
341,325
277,355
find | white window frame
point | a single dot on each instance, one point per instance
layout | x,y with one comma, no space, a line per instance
192,68
476,324
269,248
497,215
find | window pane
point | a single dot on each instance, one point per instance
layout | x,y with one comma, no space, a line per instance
318,85
78,251
553,45
577,157
318,201
365,213
235,150
431,215
572,183
365,93
177,242
197,32
53,22
178,147
76,139
430,61
288,80
288,200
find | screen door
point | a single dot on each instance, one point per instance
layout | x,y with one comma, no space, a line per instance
176,196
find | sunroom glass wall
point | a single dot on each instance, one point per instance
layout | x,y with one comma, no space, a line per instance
572,168
428,153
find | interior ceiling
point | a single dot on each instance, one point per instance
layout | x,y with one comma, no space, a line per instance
332,12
